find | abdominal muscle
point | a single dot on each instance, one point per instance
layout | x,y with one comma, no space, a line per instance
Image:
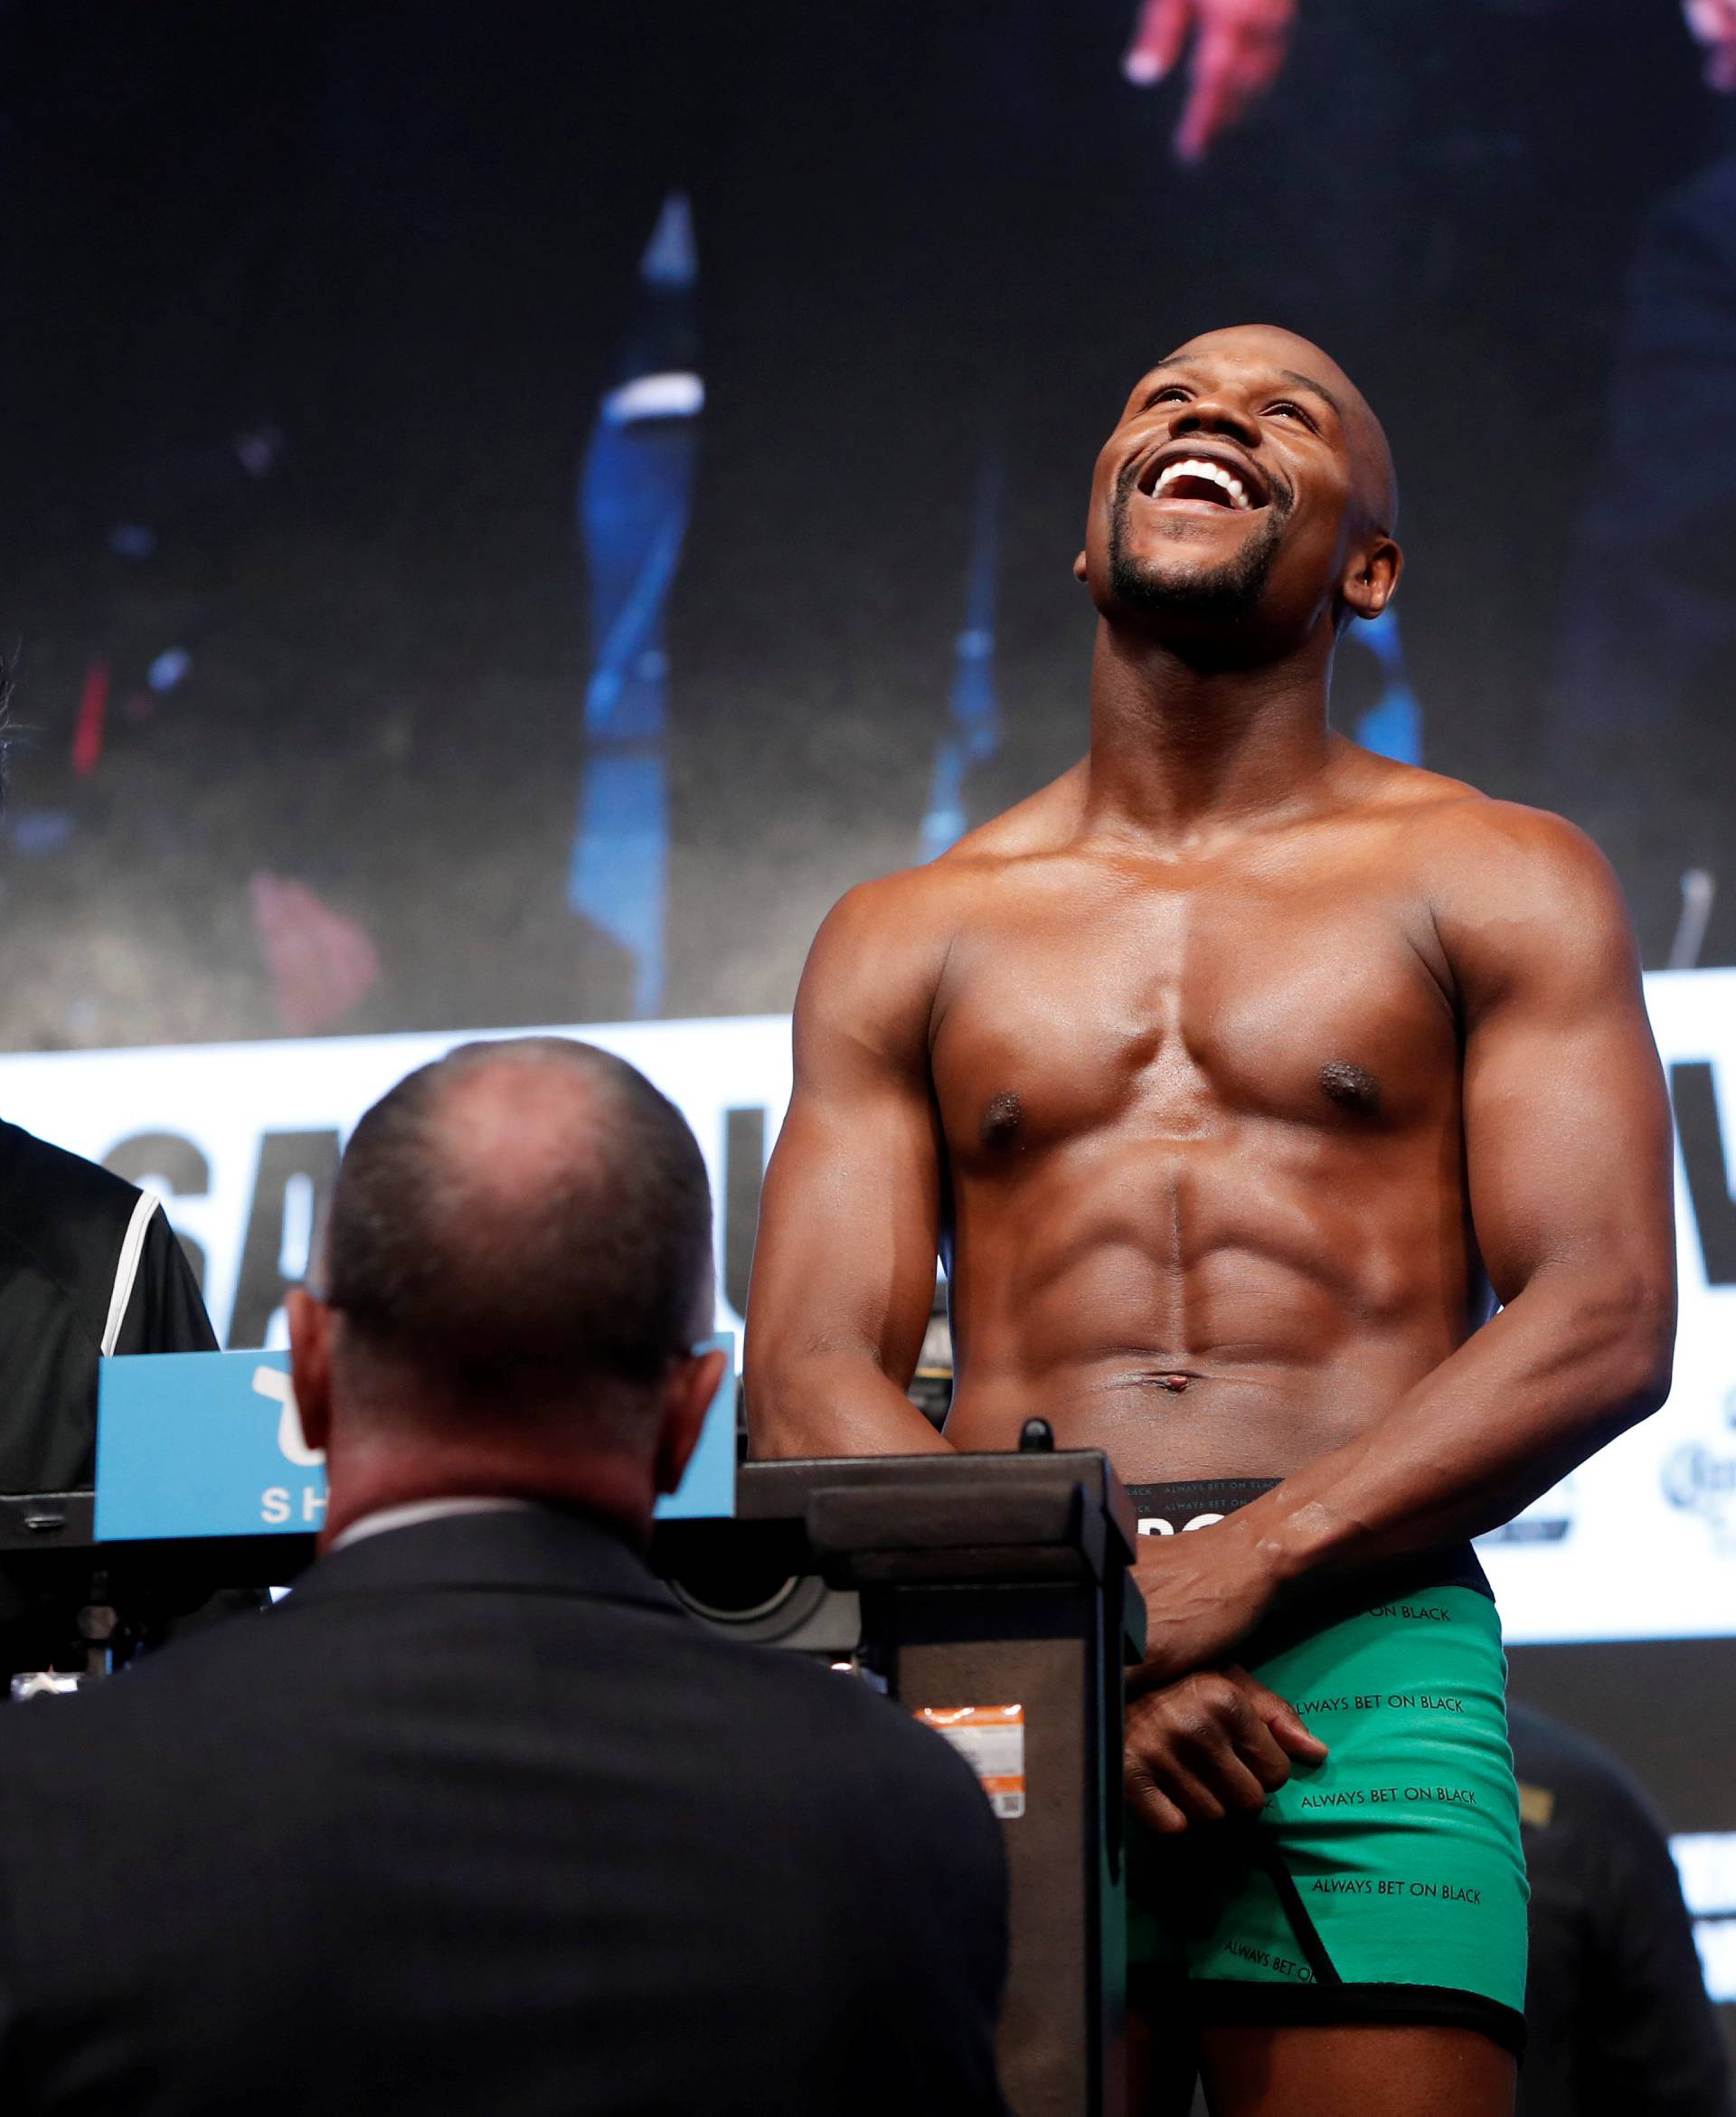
1217,1356
1222,1421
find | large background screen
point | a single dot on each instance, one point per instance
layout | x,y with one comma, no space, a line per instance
508,512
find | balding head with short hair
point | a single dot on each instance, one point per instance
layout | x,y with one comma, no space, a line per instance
521,1217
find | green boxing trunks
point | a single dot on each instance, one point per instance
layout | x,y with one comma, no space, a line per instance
1386,1885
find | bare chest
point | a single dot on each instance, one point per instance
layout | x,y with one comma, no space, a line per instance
1179,1011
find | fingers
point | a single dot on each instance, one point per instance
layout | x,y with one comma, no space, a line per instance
1263,1754
1713,23
1245,1759
1158,36
1185,1790
1279,1717
1197,1752
1154,1808
1234,64
1173,1797
1241,49
1214,98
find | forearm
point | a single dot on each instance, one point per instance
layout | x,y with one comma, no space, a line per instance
1569,1363
833,1403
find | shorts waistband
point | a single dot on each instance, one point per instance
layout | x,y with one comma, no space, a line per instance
1175,1505
1188,1503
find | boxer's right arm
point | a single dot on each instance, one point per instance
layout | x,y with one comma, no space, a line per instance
850,1220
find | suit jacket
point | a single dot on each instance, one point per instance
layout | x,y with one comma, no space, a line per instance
479,1820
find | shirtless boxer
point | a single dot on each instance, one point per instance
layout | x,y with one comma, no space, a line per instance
1238,1076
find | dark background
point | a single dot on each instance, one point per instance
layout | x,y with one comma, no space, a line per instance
386,255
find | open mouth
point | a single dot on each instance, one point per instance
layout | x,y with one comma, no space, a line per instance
1203,480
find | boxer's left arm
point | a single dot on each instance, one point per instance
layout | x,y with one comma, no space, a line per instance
850,1217
1569,1157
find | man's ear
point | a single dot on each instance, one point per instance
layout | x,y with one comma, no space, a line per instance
1078,567
311,1325
1373,577
693,1380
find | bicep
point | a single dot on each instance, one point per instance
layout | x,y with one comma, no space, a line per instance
1567,1121
850,1218
849,1227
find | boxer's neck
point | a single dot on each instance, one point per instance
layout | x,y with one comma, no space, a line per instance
1178,745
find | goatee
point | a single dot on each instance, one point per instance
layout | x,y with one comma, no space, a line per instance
1219,594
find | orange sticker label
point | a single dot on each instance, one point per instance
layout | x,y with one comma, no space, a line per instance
991,1740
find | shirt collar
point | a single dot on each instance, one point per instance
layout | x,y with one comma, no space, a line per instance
384,1519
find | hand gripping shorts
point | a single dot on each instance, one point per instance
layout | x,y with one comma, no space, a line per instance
1386,1885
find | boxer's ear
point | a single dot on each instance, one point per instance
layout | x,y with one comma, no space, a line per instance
1371,579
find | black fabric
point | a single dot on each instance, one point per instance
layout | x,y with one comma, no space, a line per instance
62,1225
1228,2002
1182,1501
1330,1999
1307,1935
1620,2025
479,1820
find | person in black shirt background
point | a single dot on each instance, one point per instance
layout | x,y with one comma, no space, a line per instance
1616,2009
88,1266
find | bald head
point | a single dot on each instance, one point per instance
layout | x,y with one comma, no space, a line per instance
519,1217
1302,363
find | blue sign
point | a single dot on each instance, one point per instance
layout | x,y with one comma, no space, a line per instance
210,1444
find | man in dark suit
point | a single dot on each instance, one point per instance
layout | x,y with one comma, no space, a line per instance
478,1819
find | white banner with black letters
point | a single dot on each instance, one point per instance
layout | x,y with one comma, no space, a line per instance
241,1140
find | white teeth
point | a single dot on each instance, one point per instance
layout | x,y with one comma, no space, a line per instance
1197,466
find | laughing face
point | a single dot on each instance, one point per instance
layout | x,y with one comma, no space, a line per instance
1247,490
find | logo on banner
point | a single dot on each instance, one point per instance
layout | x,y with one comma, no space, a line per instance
1548,1519
211,1444
1701,1480
203,1444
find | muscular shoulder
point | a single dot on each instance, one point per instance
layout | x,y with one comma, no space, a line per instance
1513,891
875,965
1488,859
1043,822
877,961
